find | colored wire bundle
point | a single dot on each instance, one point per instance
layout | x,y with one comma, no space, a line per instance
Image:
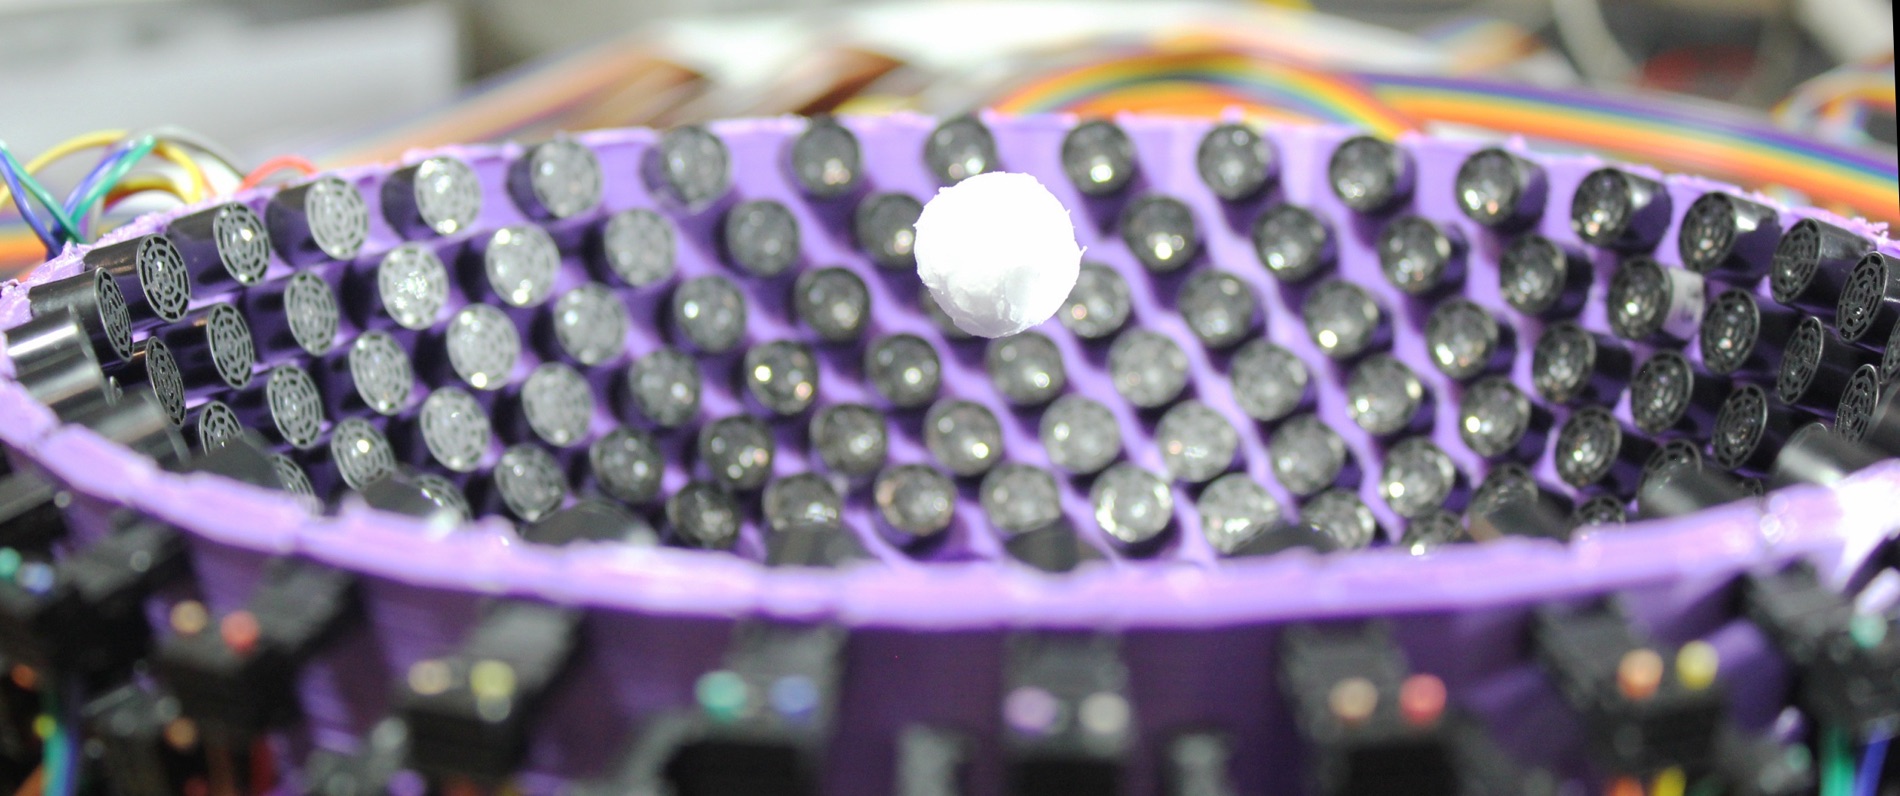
48,224
1728,146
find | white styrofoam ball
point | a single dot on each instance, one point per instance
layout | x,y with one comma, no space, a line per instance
998,252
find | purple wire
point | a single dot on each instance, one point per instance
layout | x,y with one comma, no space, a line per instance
112,157
1871,762
25,205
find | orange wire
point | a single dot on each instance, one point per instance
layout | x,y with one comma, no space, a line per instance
34,785
274,165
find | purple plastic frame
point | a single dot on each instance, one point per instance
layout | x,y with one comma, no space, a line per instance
927,647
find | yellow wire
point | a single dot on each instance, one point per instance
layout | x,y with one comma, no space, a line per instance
139,183
201,187
1670,782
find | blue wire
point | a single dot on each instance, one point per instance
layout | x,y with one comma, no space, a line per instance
112,156
22,201
1870,764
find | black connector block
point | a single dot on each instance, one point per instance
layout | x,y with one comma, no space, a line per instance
1379,752
469,713
930,762
1661,724
32,511
768,735
367,772
1069,724
1847,667
89,619
1760,767
130,724
238,680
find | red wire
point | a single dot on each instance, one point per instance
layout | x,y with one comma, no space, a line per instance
263,767
274,165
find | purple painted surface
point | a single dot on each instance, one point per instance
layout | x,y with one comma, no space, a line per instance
1197,637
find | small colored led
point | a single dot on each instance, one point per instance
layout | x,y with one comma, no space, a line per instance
1697,664
491,679
430,677
722,695
181,733
1103,713
1353,700
189,617
240,631
1422,700
794,697
9,563
1639,674
1032,711
1868,630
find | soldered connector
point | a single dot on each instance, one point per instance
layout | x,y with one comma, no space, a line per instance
1644,711
469,712
1068,724
239,678
1847,664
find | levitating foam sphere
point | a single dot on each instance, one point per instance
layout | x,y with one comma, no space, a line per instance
998,252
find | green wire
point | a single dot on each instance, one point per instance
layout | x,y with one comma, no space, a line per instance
1837,763
132,156
33,187
56,747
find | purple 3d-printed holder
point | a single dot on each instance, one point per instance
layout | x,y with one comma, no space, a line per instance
1197,631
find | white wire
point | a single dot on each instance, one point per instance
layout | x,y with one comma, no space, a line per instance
1586,35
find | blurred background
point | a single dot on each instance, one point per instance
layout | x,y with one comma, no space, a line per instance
1793,97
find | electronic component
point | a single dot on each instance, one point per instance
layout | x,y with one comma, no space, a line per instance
1537,276
32,511
145,749
1370,175
222,246
367,772
561,179
1068,724
1652,304
1647,708
1669,397
1847,663
767,714
1742,338
1618,210
1344,321
238,678
86,615
826,159
1500,190
1811,264
469,711
94,301
321,219
1750,430
1594,449
1728,237
959,148
1370,727
442,196
150,274
930,762
1099,159
1816,367
1161,232
1815,455
1466,341
1235,162
1293,243
1421,258
1680,488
